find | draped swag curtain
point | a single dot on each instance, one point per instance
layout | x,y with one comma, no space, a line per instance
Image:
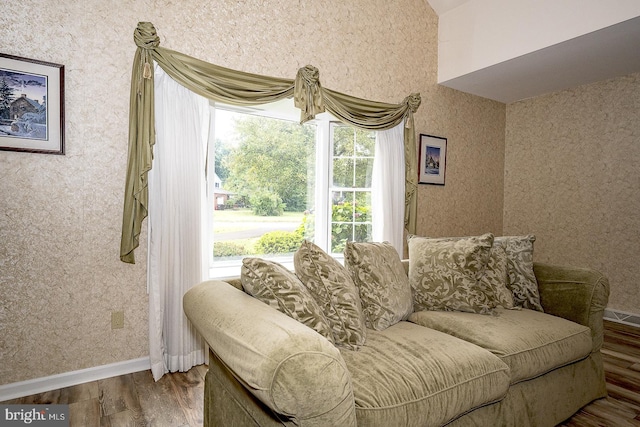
239,88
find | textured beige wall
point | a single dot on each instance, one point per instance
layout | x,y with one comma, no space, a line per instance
470,202
60,216
572,176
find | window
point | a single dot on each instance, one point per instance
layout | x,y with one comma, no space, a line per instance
276,182
351,166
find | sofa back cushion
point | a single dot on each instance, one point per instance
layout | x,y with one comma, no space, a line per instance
332,287
275,285
382,282
522,279
445,274
496,276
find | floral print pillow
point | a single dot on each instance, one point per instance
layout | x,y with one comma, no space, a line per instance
275,285
496,276
522,279
382,282
332,287
445,274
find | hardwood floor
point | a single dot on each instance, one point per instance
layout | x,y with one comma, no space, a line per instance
131,400
176,400
621,354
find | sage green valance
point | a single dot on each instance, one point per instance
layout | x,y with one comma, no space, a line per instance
240,88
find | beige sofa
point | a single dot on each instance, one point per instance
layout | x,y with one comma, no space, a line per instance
515,368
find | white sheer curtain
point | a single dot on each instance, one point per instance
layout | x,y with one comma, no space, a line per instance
177,224
387,188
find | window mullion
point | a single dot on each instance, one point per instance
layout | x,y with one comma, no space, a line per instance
353,185
323,185
210,173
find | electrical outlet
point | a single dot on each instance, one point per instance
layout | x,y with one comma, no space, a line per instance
117,319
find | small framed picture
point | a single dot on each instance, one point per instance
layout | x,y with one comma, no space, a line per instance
433,159
31,105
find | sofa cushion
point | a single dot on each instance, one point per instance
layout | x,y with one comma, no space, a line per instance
275,285
408,375
383,285
332,287
531,343
445,273
522,279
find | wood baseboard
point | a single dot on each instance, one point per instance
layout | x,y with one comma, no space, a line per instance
68,379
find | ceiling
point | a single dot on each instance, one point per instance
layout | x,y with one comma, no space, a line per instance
607,53
442,6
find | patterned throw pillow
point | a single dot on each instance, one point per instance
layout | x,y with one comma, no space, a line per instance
496,276
384,287
445,273
522,279
275,285
332,287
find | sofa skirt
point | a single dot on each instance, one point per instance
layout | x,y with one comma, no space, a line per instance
546,400
228,403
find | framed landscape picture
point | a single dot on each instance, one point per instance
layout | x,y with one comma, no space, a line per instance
31,105
433,159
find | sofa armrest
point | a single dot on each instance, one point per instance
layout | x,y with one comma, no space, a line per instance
576,294
288,366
